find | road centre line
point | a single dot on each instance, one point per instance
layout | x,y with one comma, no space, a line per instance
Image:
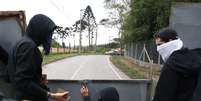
77,70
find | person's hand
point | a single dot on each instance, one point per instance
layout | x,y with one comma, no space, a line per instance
60,96
44,80
84,91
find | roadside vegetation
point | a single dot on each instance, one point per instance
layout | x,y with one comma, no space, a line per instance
57,56
132,70
52,57
138,20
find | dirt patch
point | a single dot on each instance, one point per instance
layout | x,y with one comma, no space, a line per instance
127,62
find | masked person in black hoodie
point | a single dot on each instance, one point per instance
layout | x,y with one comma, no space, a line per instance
179,74
25,61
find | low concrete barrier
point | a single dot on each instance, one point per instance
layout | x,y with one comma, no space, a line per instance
129,90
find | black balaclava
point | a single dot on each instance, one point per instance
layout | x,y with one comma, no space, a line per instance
108,94
40,30
47,44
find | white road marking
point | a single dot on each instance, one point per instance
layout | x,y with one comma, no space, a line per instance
82,68
112,68
76,72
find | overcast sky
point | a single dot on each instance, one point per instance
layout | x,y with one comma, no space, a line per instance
64,13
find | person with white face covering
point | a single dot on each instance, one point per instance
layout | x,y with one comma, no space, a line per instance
179,74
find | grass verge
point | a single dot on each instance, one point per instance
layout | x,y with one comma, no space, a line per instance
58,56
127,67
55,57
134,71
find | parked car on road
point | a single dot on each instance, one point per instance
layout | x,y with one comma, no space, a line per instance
114,52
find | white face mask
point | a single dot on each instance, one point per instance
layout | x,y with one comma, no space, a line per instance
166,49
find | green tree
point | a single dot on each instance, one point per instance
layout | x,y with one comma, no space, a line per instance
146,17
55,44
117,10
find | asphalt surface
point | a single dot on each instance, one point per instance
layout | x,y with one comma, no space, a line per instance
92,67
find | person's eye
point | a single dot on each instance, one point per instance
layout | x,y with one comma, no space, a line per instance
159,44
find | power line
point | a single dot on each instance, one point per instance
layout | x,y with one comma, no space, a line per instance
58,8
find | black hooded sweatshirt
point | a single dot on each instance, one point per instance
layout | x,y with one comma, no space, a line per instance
106,94
179,76
3,63
3,56
25,60
109,94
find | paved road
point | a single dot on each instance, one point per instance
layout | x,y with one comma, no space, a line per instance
94,67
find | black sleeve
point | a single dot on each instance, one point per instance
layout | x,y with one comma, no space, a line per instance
86,98
167,85
26,70
3,55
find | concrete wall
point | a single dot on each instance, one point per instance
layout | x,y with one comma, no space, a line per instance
186,20
10,32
